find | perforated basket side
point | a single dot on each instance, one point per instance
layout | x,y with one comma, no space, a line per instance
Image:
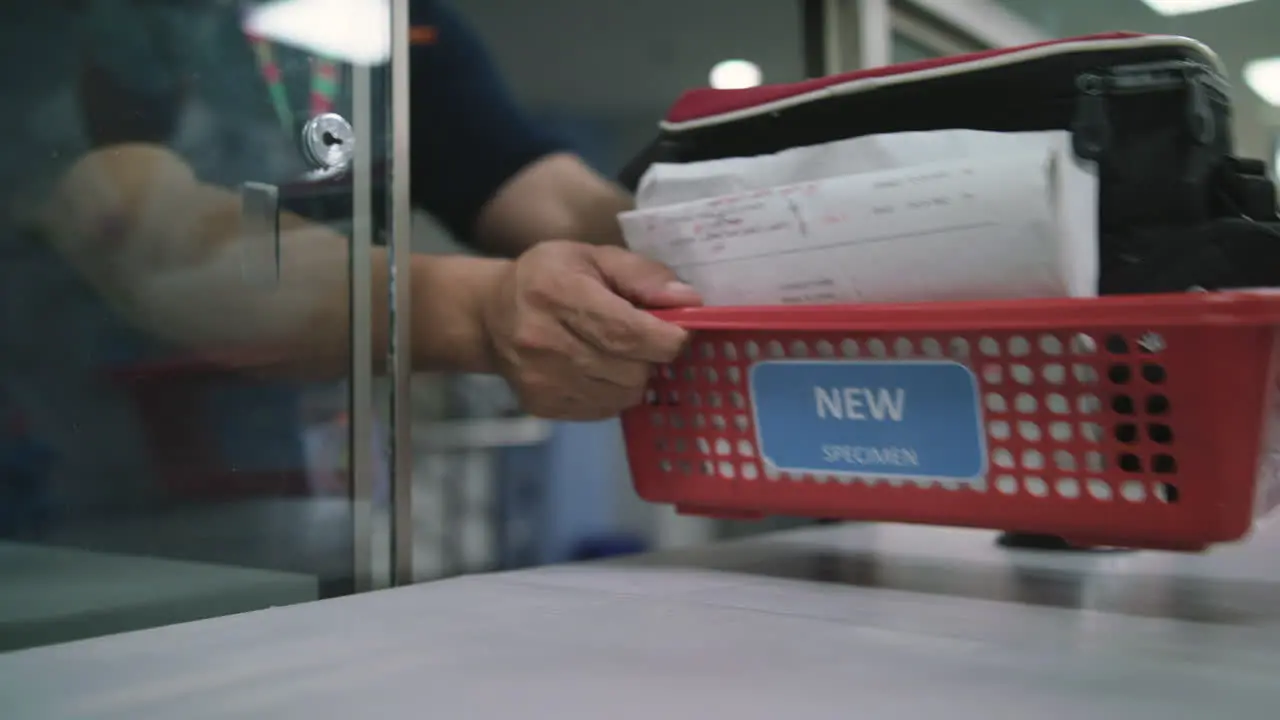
1145,436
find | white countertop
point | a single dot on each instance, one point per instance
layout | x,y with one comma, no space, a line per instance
854,621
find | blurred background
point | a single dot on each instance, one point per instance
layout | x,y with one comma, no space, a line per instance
491,488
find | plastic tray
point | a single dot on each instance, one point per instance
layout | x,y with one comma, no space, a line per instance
1135,421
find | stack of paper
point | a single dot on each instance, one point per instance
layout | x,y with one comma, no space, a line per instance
949,215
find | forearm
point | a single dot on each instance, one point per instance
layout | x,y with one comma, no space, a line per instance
556,198
312,304
448,293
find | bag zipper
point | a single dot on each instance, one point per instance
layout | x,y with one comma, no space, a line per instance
1091,126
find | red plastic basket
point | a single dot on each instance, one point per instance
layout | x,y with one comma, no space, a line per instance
1139,421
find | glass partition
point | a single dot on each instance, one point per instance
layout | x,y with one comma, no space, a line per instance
196,198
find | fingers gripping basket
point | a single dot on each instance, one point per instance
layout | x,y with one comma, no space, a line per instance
1140,421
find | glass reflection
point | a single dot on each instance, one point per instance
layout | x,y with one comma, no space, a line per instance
173,424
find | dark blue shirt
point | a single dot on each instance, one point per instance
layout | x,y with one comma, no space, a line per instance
469,136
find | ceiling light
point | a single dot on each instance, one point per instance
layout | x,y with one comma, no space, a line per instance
1263,77
735,75
1187,7
353,31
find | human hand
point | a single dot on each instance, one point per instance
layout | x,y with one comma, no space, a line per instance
567,330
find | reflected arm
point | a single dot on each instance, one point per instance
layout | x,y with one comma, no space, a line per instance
167,251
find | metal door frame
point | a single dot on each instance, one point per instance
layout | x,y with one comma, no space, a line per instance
398,352
400,362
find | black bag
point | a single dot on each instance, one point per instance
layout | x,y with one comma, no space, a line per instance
1176,209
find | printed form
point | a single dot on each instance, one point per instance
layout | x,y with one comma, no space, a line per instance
1006,216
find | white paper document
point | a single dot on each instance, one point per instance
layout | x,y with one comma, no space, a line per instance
999,216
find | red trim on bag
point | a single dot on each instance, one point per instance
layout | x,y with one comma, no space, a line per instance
707,102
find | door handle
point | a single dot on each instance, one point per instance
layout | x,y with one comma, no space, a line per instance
260,234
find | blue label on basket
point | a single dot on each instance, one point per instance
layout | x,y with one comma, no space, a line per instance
907,419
